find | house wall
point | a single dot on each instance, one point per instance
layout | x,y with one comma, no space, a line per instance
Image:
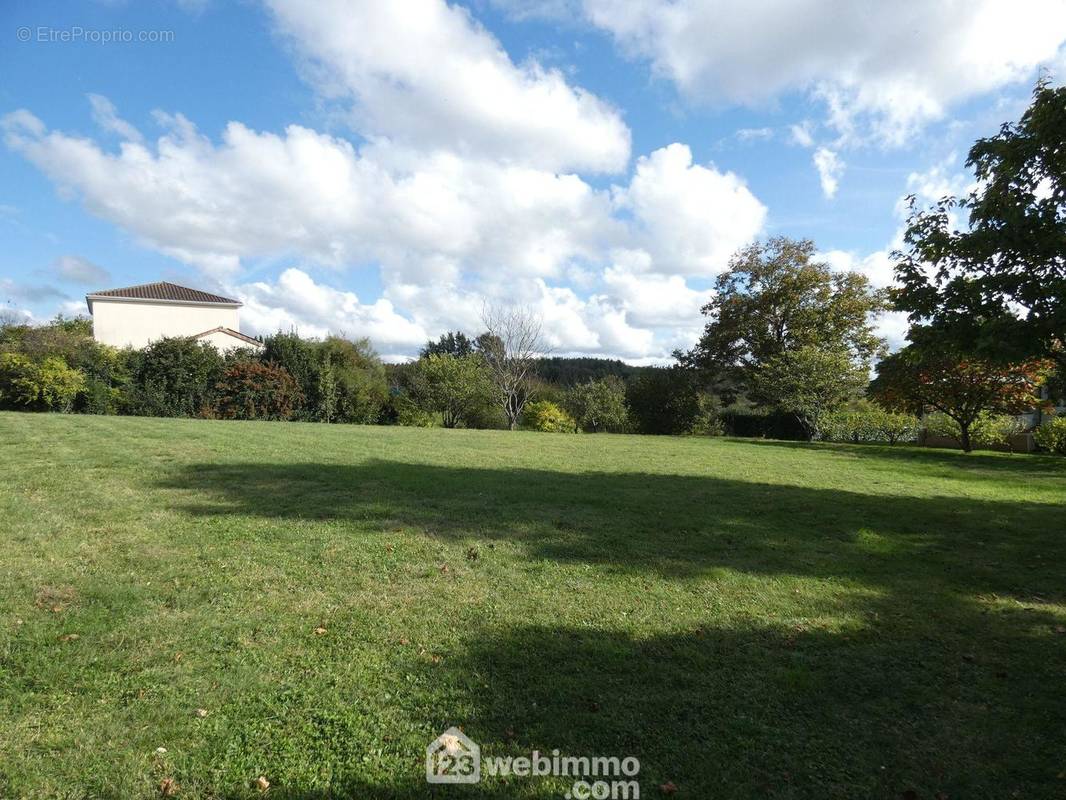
223,342
135,324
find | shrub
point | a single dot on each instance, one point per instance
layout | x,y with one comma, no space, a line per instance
250,390
350,383
544,415
987,429
50,385
1051,436
301,359
175,377
760,424
599,405
664,401
870,425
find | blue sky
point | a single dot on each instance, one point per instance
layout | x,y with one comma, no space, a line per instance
384,169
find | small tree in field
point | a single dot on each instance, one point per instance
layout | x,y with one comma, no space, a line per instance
924,376
599,405
810,383
511,345
453,386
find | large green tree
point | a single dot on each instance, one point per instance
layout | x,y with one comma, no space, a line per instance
988,271
456,387
776,299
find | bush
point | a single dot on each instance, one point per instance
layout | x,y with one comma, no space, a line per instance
456,387
175,377
350,383
50,385
760,424
987,430
599,405
250,390
544,415
870,425
1051,436
664,401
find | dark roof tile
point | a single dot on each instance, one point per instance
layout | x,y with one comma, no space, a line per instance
165,291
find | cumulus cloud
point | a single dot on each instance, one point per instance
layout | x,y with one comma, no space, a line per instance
881,69
76,269
830,169
442,228
689,217
424,73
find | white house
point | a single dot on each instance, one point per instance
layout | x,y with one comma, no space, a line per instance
137,315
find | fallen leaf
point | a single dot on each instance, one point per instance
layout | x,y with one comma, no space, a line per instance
443,569
168,787
202,712
319,631
69,637
668,788
261,783
160,751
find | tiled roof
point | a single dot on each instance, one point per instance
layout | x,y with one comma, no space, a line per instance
165,291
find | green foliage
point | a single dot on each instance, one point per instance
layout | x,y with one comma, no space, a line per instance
449,344
401,409
809,382
761,423
175,377
870,425
250,390
568,372
454,387
776,300
997,287
599,405
546,416
302,360
988,429
1051,436
664,400
47,385
356,386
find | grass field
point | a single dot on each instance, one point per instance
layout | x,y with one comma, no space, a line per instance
314,604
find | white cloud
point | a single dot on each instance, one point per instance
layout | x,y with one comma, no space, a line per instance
801,134
424,73
830,169
882,69
755,134
296,302
105,115
690,218
79,270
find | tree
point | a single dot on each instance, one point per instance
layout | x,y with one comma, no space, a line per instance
996,287
927,374
775,299
361,388
301,358
454,387
449,344
810,383
510,347
251,390
599,405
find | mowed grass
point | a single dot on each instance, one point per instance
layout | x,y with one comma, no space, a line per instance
749,619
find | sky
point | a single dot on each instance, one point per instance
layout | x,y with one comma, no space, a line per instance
386,169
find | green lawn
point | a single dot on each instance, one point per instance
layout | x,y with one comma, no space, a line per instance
748,618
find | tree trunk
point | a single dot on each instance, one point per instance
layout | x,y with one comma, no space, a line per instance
964,438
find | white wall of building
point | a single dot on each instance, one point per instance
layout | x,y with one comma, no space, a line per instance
136,323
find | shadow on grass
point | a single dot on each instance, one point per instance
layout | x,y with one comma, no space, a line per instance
933,692
676,526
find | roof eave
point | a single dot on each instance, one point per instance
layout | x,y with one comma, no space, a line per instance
89,298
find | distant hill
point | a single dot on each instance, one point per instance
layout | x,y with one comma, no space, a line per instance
571,371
